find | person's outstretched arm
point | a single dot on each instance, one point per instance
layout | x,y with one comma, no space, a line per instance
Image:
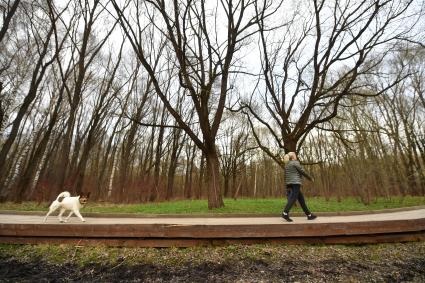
301,170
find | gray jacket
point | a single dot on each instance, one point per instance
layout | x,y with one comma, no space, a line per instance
294,172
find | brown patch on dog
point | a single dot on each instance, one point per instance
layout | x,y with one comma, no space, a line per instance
60,199
84,198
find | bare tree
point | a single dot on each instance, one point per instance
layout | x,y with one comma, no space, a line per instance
142,115
26,182
143,93
235,144
43,62
202,57
106,96
88,49
327,53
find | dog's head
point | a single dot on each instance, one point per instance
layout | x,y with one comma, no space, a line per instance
84,197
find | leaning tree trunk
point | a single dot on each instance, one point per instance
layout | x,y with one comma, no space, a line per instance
7,18
32,167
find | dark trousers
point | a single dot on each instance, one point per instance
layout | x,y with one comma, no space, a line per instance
294,193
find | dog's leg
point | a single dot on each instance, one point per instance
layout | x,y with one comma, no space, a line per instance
52,208
60,214
48,213
79,215
69,216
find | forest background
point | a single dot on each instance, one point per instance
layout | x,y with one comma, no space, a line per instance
142,101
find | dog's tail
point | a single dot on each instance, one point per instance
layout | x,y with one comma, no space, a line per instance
63,195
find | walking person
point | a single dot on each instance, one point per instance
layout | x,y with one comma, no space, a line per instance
293,175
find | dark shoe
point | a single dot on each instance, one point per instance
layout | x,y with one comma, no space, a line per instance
311,217
286,217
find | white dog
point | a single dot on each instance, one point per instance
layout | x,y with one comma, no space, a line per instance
66,202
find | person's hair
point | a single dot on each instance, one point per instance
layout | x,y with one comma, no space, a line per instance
289,156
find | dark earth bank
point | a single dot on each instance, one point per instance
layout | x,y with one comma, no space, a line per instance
369,263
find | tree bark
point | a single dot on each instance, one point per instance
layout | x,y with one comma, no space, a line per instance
175,154
2,111
215,199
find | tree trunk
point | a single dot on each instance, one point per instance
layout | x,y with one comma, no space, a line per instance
82,165
170,179
175,154
215,199
2,112
290,145
226,179
201,178
7,19
188,183
157,166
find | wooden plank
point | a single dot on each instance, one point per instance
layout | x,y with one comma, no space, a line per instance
166,232
212,231
188,242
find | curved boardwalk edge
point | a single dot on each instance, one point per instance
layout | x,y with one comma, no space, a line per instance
219,215
178,232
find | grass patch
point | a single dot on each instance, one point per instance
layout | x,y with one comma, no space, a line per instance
258,206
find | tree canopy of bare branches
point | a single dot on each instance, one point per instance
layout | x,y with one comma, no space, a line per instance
154,100
323,54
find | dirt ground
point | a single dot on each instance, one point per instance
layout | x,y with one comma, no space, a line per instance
262,263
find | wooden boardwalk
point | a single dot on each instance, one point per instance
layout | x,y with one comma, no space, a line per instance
186,231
